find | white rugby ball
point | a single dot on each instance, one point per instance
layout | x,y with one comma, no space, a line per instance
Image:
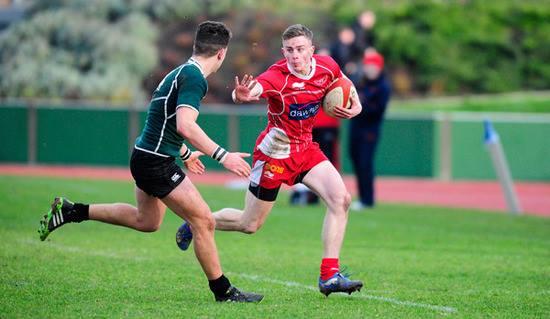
339,93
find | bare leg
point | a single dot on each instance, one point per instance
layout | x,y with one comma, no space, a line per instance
248,220
186,202
147,217
325,180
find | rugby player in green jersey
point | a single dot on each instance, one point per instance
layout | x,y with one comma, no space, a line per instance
160,182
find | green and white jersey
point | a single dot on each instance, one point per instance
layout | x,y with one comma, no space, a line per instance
185,86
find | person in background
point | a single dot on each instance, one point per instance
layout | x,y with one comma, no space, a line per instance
374,92
363,29
345,51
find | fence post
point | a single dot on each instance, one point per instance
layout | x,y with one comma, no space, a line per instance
32,131
445,146
133,125
233,132
492,142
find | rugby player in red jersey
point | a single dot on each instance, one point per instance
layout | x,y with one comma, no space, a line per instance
294,88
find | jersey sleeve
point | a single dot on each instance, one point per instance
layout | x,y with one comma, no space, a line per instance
268,81
335,68
191,90
329,63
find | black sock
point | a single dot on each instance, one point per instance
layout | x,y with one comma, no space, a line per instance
219,286
80,212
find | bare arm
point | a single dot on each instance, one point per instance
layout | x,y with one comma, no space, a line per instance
188,128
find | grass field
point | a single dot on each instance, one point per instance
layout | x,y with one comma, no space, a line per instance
417,262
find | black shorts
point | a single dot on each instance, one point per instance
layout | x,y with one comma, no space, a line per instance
155,175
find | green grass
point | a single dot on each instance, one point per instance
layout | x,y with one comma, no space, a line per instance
476,264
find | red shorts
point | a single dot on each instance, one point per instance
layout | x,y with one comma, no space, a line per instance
269,173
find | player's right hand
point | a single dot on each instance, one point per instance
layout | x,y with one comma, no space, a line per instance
235,163
243,89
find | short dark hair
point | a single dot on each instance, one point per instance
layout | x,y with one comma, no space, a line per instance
211,36
297,30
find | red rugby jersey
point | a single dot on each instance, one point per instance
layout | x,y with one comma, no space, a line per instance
293,103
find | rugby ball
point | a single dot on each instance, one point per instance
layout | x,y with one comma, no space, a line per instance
338,93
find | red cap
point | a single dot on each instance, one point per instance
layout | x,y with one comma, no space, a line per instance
374,58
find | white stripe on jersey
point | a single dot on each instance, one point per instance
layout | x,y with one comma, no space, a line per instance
174,82
148,151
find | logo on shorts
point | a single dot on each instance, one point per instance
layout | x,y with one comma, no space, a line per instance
274,168
175,177
303,111
270,170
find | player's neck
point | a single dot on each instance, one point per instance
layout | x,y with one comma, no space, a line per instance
305,72
207,65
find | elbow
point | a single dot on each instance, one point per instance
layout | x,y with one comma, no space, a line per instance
184,129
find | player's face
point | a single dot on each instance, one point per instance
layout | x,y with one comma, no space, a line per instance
298,52
372,72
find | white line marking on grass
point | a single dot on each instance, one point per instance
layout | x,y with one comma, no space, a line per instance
81,251
358,296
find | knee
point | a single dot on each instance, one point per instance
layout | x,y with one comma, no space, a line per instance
148,227
346,201
340,201
250,228
205,223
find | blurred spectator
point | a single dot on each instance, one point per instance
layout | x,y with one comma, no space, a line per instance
344,50
326,130
374,92
363,28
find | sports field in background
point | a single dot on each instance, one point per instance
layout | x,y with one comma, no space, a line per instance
415,261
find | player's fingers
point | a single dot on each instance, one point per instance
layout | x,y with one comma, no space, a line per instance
341,113
236,81
248,80
238,172
245,79
244,172
243,154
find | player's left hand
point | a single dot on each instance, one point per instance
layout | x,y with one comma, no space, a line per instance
354,109
194,164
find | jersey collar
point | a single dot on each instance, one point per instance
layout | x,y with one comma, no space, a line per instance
197,64
301,76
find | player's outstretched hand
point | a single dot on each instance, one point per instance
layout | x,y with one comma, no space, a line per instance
234,163
243,89
194,164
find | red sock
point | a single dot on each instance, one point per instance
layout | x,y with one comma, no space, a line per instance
329,266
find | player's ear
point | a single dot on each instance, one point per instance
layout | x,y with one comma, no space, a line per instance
283,51
221,53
